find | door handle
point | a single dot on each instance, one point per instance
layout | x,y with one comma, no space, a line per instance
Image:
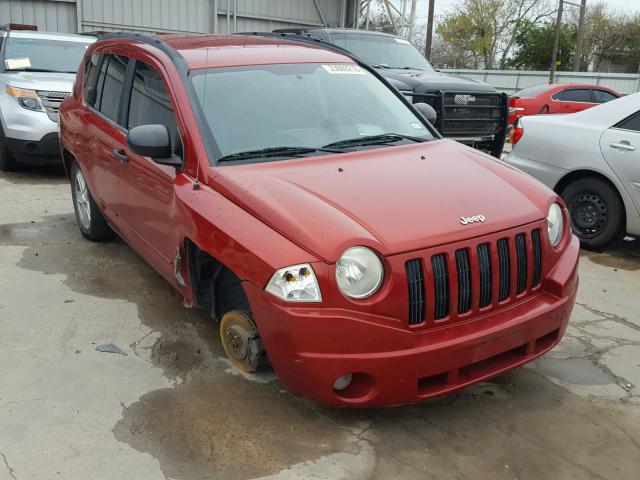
623,145
120,155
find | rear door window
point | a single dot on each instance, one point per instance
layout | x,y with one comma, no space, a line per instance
576,95
602,96
110,85
630,123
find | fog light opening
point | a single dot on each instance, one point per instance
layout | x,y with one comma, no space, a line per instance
355,387
343,382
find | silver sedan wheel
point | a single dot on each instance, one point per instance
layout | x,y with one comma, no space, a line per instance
83,207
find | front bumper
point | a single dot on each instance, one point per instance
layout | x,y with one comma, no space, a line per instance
44,151
310,347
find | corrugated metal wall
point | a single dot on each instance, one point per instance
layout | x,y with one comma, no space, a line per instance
54,16
145,15
196,16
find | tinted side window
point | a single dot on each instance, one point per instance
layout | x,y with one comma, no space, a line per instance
576,95
91,78
110,83
602,96
631,123
150,103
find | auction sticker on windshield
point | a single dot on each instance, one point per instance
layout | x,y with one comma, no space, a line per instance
343,69
17,63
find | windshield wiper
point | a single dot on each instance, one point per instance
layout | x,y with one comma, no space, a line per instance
44,70
412,68
380,65
275,152
373,140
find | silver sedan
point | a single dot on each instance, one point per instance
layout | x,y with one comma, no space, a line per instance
592,159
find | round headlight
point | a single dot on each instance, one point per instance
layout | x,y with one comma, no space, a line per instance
555,224
359,272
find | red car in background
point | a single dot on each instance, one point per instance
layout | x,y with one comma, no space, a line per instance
557,98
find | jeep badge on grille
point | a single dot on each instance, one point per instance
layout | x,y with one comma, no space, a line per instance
470,220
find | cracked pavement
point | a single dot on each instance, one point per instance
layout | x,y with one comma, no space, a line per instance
172,408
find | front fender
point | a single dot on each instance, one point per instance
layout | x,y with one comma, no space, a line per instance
241,242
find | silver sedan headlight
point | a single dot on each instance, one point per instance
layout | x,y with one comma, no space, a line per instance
297,283
555,224
359,272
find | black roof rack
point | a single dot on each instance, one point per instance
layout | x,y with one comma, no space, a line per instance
19,26
297,37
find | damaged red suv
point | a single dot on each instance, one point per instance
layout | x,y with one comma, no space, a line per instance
324,223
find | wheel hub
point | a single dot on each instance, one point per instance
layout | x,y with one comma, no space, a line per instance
589,214
237,342
241,341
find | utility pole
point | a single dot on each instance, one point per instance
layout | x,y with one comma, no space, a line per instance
427,49
556,43
412,19
576,60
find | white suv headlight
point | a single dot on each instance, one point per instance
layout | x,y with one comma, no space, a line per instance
555,224
28,99
359,272
297,283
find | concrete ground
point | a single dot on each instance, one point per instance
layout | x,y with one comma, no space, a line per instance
167,405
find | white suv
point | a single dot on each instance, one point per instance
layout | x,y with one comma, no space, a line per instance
37,72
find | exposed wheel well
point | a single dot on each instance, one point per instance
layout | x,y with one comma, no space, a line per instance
67,160
215,286
570,177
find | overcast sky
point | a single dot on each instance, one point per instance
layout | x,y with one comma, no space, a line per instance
442,6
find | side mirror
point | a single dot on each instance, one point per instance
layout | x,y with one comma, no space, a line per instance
91,95
153,141
427,111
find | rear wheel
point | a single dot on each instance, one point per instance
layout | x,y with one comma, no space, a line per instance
597,213
241,341
92,224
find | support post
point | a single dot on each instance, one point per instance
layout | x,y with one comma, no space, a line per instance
556,44
427,49
580,39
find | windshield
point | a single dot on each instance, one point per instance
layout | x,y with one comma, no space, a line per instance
301,105
40,55
382,51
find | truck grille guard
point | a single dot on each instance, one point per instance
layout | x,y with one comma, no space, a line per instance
469,117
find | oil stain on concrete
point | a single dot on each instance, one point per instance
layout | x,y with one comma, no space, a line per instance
213,425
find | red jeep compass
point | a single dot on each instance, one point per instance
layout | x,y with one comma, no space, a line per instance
325,224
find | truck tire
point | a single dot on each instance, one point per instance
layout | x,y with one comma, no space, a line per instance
597,213
91,223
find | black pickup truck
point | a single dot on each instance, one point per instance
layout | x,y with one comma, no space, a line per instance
468,111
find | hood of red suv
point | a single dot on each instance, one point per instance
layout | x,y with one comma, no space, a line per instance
394,199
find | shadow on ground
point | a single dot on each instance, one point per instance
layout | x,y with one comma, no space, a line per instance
216,424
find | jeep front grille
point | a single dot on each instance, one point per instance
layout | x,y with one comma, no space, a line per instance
444,286
51,102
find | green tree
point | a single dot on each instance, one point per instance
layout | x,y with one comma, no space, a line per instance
534,45
487,29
